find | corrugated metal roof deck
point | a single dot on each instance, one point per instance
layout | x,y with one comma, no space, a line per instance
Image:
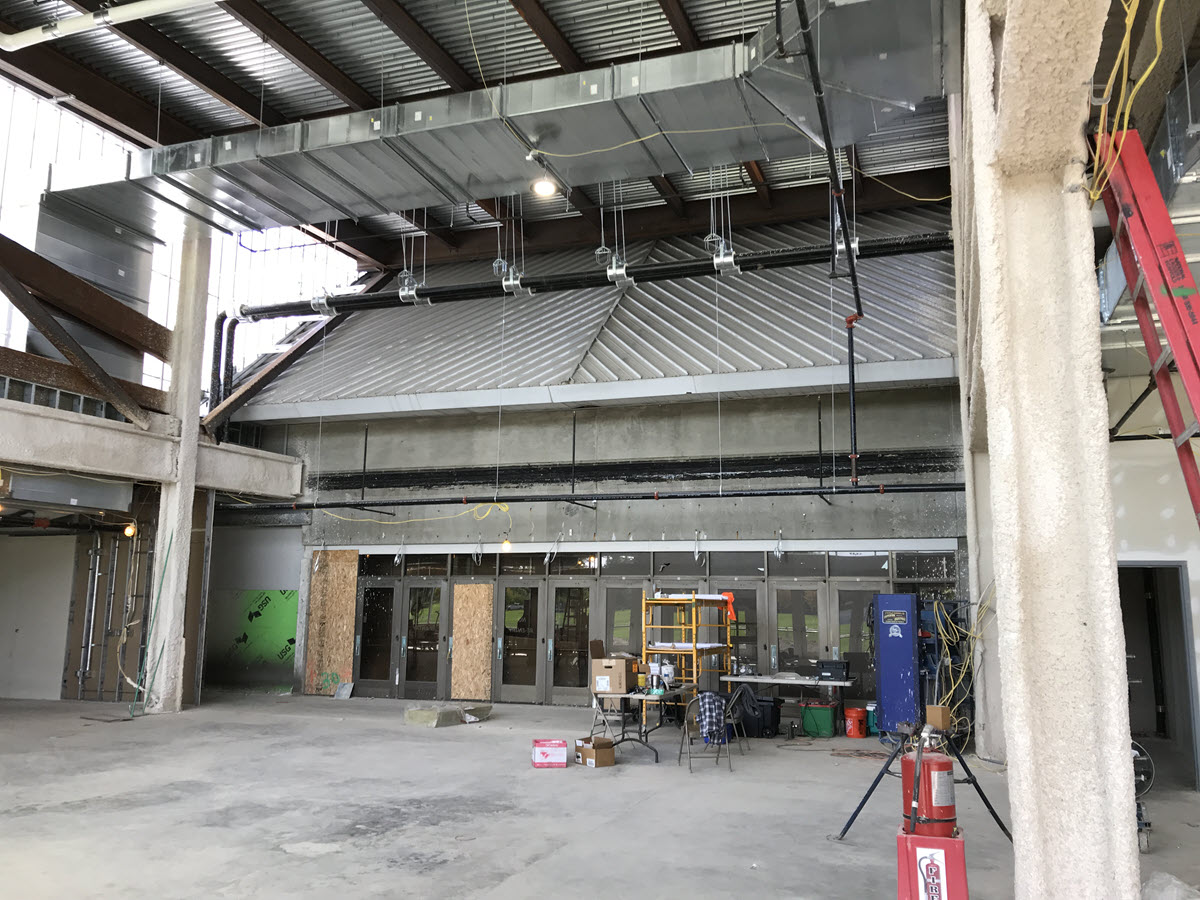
775,320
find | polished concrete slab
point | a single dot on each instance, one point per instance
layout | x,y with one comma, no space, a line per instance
257,796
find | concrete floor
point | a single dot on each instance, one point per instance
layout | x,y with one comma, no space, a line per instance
255,796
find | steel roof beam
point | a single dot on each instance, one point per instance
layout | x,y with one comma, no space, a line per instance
392,14
82,300
548,33
667,191
53,331
155,44
680,24
303,54
48,72
755,173
52,373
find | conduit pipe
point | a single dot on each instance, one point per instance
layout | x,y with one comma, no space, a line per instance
947,487
101,18
595,278
214,384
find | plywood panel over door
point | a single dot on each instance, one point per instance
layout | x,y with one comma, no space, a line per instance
332,592
471,663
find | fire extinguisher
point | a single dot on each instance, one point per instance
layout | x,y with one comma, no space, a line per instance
928,801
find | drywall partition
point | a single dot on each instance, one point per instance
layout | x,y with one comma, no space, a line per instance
331,608
250,636
1155,526
35,603
471,662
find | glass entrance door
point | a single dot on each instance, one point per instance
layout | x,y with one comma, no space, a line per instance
569,623
854,633
521,641
375,644
421,628
795,632
747,631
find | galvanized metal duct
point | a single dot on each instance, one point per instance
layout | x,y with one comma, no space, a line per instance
651,272
684,112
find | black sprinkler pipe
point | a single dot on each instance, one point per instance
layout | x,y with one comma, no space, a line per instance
596,278
214,383
947,487
850,322
835,177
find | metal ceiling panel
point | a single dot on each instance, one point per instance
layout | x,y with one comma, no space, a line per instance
351,37
115,59
243,56
769,321
782,318
613,29
496,36
716,20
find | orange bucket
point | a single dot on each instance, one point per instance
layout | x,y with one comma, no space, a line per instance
856,722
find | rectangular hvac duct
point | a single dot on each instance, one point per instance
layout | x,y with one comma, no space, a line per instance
689,111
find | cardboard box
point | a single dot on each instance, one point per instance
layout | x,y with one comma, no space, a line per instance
595,752
549,753
939,717
613,675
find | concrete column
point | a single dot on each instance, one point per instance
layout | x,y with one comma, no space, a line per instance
173,541
1061,644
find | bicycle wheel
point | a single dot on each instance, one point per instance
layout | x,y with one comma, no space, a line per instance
1143,770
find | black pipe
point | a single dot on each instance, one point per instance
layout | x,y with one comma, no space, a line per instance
595,278
1156,654
1150,388
835,177
947,487
227,377
214,384
916,786
850,321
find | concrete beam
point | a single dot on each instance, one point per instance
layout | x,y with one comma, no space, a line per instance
1045,53
55,439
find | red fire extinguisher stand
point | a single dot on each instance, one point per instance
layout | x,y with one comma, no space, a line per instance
930,853
931,858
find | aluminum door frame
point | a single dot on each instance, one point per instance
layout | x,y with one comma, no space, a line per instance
400,657
621,582
873,585
521,693
375,687
566,696
761,651
795,584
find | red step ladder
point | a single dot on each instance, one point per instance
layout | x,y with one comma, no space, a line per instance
1160,280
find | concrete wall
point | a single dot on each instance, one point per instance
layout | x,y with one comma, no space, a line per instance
887,420
35,601
254,583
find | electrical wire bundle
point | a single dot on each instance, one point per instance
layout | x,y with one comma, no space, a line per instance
955,682
1112,144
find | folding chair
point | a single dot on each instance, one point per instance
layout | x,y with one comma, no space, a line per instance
734,715
691,731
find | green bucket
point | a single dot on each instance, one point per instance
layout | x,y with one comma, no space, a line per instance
818,719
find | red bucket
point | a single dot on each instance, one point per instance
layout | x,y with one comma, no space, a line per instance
856,722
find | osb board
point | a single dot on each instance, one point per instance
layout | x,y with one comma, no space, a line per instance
332,594
471,666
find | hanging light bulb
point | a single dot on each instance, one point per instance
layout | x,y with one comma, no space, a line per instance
131,529
544,187
507,545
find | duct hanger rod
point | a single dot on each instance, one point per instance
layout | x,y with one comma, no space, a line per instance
597,278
